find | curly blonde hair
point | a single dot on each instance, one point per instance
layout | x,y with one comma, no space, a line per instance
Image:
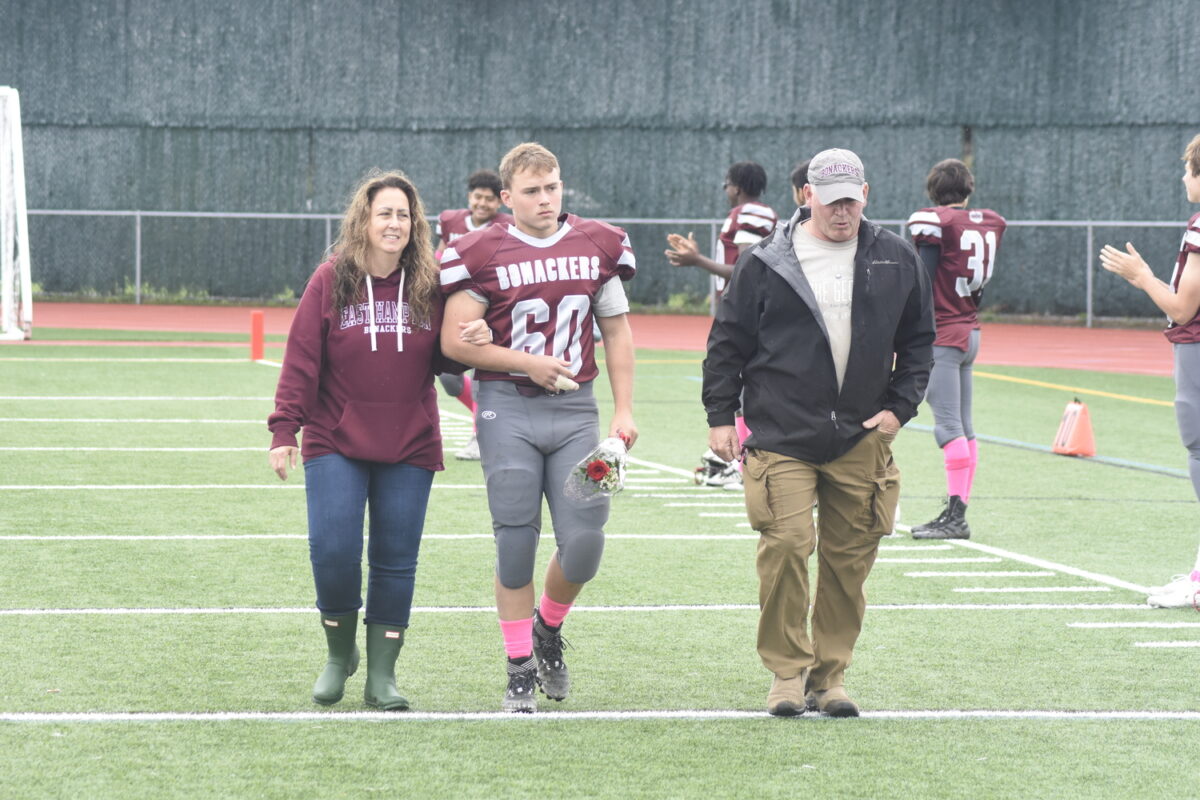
352,247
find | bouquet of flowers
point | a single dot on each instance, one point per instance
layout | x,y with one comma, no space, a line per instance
600,474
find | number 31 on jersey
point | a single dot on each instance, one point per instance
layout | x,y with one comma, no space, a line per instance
982,248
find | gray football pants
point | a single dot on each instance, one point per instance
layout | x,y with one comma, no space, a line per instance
950,391
1187,405
528,445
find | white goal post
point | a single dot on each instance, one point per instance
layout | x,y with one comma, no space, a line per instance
16,293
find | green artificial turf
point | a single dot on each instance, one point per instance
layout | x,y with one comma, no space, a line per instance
93,626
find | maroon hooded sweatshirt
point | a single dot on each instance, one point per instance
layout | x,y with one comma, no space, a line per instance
370,404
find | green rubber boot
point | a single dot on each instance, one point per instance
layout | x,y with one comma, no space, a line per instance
383,648
343,658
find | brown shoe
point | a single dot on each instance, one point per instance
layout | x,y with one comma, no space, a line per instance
832,702
786,698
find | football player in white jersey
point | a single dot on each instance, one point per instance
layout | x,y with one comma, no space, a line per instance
749,222
1180,301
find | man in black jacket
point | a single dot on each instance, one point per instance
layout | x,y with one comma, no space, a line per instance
827,326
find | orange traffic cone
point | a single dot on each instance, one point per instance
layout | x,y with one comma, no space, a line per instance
1074,437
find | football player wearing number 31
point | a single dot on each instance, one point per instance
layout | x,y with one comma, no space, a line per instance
958,248
538,283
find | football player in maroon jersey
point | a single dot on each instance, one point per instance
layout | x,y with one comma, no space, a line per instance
483,209
749,221
539,283
958,248
1180,301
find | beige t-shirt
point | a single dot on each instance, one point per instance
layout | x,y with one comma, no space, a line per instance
829,268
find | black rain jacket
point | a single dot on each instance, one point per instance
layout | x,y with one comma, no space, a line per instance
768,338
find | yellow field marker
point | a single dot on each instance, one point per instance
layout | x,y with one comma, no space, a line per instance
1075,389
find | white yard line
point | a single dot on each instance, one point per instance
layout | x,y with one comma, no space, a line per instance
1010,607
683,473
131,398
981,574
1044,564
132,449
937,560
1166,644
705,505
123,487
42,612
1024,589
692,537
402,717
107,360
129,421
915,548
183,537
700,537
1133,624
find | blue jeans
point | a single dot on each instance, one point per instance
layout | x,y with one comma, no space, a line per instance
339,490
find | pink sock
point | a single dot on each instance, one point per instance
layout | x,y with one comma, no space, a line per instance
743,432
464,396
957,457
973,446
518,637
551,612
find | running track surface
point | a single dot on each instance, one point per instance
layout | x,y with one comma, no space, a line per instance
1140,352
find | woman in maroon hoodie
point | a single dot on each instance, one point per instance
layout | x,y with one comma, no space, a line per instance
358,378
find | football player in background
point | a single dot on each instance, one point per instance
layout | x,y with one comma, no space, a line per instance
749,222
958,247
483,209
799,178
1180,301
539,282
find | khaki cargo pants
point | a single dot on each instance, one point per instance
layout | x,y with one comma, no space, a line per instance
856,498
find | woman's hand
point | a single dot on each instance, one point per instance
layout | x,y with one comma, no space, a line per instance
476,332
281,457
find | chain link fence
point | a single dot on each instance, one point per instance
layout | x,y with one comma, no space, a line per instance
1044,267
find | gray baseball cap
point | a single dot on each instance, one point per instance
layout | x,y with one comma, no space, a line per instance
836,174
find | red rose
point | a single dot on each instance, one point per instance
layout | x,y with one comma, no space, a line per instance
597,470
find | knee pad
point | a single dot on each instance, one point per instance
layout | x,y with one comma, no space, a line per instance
516,506
579,555
516,551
